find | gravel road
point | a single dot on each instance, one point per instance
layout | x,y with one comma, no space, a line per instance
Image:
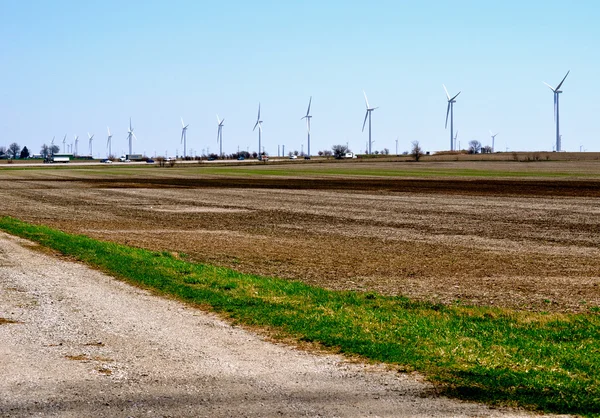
85,344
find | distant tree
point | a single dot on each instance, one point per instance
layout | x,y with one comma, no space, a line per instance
320,153
339,151
290,153
327,153
376,152
13,150
24,153
254,154
416,151
486,150
474,147
296,153
45,151
385,151
54,149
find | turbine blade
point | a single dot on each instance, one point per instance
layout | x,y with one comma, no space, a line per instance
491,133
366,116
446,90
133,135
182,124
549,86
309,102
563,80
455,96
182,135
366,100
447,113
255,125
258,117
218,120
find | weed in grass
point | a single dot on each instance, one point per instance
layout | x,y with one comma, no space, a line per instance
547,362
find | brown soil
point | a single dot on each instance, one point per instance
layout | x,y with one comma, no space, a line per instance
521,243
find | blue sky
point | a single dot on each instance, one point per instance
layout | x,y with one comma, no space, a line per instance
75,67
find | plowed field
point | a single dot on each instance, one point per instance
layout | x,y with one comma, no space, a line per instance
522,242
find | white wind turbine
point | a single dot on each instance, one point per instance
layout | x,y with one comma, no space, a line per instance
220,134
493,135
130,137
91,139
259,124
76,143
109,142
308,117
450,111
52,146
184,129
556,92
64,148
368,115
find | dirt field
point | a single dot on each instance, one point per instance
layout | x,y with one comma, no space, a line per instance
528,243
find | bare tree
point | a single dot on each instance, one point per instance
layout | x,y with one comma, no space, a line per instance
339,151
416,151
13,150
474,147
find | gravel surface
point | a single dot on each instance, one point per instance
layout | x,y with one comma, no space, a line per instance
85,344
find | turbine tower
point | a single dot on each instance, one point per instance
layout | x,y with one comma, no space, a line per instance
52,146
76,143
259,124
493,139
64,148
308,117
184,129
130,136
220,134
91,137
455,138
556,92
368,115
450,111
109,142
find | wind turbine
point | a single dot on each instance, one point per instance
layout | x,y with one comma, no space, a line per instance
308,117
493,139
455,138
259,124
52,146
368,115
184,129
556,92
450,110
109,142
64,148
130,136
91,137
220,134
76,142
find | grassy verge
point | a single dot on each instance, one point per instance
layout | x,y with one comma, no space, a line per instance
548,362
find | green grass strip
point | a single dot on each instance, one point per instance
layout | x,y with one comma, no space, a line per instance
546,362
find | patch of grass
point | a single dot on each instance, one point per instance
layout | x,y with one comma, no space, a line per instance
547,362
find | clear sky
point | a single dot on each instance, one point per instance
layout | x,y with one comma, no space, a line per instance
76,66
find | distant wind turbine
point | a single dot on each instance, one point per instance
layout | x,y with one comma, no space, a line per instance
91,139
52,146
109,142
455,138
130,137
308,118
493,139
76,142
450,111
220,134
556,92
64,148
368,115
259,124
184,129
